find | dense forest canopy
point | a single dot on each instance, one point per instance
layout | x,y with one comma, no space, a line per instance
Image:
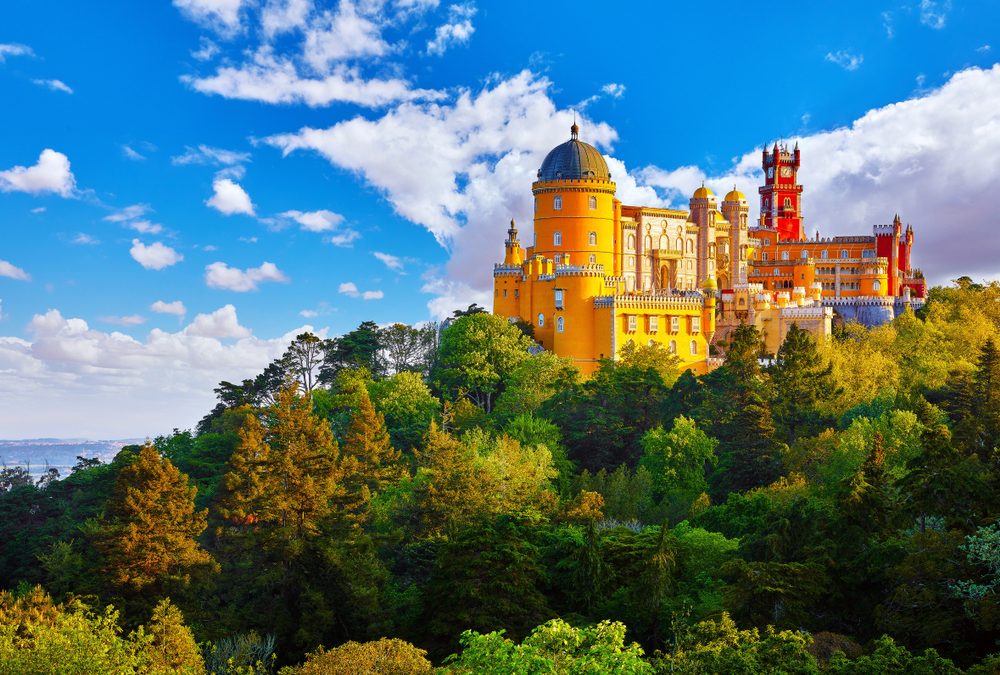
400,497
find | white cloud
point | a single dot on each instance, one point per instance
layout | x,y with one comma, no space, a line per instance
221,275
338,35
934,13
277,80
206,154
54,85
614,89
890,30
392,262
281,16
84,373
222,323
845,59
11,271
984,49
315,221
350,289
230,198
207,49
14,50
156,256
132,154
51,174
129,320
309,313
222,16
128,213
84,239
176,307
144,226
38,209
458,29
898,158
344,238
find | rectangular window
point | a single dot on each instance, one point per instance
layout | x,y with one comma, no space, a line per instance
505,292
868,253
675,324
631,323
695,324
593,203
517,293
559,298
593,259
654,322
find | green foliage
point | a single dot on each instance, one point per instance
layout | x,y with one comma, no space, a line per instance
407,406
380,657
804,387
889,658
676,459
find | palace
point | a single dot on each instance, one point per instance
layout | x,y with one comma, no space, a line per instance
601,274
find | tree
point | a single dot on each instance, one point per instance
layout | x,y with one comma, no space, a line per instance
803,387
676,459
532,382
149,532
478,352
172,648
406,348
359,348
408,407
380,657
303,358
986,399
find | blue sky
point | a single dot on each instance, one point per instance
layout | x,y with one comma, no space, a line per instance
185,185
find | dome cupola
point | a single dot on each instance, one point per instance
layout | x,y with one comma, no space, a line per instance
574,160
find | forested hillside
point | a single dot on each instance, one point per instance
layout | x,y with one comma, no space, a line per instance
399,499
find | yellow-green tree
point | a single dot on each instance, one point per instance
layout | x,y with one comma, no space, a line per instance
149,531
388,656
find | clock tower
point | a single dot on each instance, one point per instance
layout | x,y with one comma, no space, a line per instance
781,195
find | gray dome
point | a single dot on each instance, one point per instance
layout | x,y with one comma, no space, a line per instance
574,160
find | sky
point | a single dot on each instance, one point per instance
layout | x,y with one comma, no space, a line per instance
186,185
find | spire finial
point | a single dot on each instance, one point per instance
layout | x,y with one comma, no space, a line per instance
574,131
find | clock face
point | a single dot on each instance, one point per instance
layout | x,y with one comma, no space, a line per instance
786,171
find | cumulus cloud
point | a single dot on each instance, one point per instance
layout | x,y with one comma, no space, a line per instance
933,159
207,50
9,49
67,365
458,29
128,213
12,271
230,198
156,256
220,275
222,323
129,320
394,263
274,79
281,16
309,313
350,289
614,89
222,16
341,34
315,221
54,85
372,295
50,174
845,59
176,307
934,13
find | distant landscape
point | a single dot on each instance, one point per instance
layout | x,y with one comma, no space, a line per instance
39,454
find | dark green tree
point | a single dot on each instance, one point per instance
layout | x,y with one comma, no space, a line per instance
802,385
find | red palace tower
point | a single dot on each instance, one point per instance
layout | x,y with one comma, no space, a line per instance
781,195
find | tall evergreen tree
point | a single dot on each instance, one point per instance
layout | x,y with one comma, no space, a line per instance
986,399
802,383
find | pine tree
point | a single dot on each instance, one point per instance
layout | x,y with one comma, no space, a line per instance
172,648
801,384
986,399
149,531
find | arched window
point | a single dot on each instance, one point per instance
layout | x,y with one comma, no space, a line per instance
557,203
673,347
592,239
560,324
824,254
694,346
788,202
763,256
541,319
631,242
680,245
784,255
690,246
647,243
767,203
805,254
664,242
557,238
843,253
877,285
593,203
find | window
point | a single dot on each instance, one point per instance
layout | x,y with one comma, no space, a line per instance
844,254
694,346
763,256
868,253
788,202
877,285
559,298
541,319
557,238
695,324
631,323
593,203
784,255
805,254
673,347
631,242
536,204
680,245
505,291
664,242
557,203
690,247
558,258
630,262
675,324
767,242
517,293
592,239
593,259
825,254
654,322
647,243
767,204
560,324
